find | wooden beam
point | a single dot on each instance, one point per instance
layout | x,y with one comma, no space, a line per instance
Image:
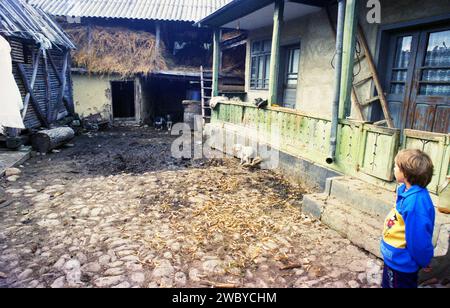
60,100
55,69
318,3
48,88
278,17
34,101
348,57
216,62
33,81
378,86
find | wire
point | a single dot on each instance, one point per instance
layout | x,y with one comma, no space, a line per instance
358,57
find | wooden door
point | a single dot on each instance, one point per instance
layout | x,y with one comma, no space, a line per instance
430,97
418,79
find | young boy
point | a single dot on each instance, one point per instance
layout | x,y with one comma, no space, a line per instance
407,238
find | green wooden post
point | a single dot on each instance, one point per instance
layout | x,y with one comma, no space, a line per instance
348,58
278,17
216,63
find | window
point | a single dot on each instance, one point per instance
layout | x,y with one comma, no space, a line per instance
435,79
290,60
260,69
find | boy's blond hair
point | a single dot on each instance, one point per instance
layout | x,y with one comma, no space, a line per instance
417,167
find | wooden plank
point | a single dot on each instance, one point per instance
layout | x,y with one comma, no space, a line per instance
60,100
363,81
370,101
48,85
379,123
34,101
55,68
278,17
436,137
202,84
373,69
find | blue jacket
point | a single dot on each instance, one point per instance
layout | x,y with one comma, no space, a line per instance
407,243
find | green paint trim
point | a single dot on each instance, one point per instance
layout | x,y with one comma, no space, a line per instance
348,58
358,152
216,62
278,17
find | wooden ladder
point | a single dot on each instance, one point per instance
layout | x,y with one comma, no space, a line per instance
381,96
206,93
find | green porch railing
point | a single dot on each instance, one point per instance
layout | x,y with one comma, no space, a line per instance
364,150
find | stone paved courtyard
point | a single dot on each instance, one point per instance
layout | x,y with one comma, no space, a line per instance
115,210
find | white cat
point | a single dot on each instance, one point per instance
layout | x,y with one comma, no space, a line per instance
245,153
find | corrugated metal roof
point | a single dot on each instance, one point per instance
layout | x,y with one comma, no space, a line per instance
169,10
19,19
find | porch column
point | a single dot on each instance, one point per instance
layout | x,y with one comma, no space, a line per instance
275,53
216,63
348,58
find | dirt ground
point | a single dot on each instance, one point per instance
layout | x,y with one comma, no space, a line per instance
116,210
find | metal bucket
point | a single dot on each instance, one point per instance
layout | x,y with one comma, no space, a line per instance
444,197
192,109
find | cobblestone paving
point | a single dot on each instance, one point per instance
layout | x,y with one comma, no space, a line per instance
116,211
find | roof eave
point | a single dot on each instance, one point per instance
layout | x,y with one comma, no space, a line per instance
240,8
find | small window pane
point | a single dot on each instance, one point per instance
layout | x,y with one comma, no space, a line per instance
295,61
253,75
399,75
442,75
435,90
438,50
256,47
267,45
403,52
260,66
397,88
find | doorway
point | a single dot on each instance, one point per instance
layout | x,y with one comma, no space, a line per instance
123,100
418,78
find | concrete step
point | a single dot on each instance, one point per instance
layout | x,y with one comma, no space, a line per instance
360,228
365,197
357,210
9,158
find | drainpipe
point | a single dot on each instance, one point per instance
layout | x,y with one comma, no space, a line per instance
337,92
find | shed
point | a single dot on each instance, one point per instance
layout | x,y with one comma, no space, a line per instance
41,62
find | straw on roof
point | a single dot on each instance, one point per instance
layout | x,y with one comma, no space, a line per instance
104,50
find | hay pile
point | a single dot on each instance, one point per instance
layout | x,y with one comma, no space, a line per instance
116,51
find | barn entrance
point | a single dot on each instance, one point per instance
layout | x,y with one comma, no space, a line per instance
123,100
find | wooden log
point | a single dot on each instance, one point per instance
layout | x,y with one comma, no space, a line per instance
47,140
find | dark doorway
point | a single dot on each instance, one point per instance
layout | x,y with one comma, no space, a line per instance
164,96
418,79
123,100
